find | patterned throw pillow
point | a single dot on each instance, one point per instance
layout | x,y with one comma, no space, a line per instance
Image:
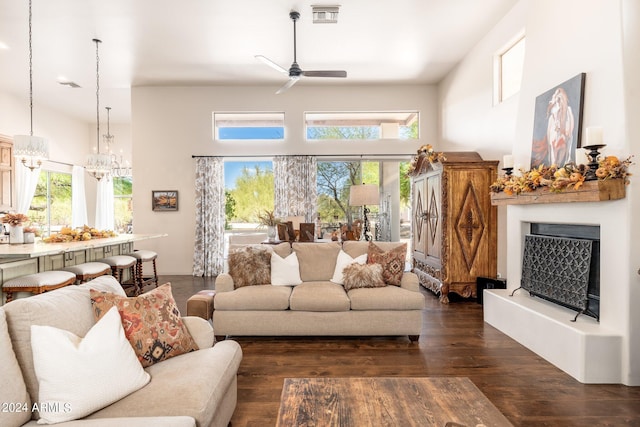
250,266
362,276
151,322
392,262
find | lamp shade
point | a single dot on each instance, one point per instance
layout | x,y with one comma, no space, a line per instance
30,147
365,194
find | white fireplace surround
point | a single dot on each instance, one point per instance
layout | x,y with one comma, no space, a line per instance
588,350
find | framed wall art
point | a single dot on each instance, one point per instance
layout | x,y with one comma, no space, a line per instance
164,200
557,123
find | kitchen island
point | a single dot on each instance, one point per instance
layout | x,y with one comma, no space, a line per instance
29,258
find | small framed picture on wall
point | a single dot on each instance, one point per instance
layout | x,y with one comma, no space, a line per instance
164,200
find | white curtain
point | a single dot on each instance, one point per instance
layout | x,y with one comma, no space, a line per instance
26,181
78,198
295,186
208,251
104,205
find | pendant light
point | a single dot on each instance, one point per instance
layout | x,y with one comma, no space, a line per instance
119,167
98,164
30,150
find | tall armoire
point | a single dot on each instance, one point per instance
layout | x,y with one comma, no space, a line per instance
454,225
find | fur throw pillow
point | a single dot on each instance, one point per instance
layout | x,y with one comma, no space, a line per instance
362,276
250,266
392,262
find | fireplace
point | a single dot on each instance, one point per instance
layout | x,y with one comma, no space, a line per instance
561,263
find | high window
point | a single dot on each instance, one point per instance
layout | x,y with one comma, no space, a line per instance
361,125
248,126
50,208
509,65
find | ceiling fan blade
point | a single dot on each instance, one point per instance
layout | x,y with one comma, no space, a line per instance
271,64
325,73
287,85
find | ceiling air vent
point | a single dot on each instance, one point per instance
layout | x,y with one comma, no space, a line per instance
325,14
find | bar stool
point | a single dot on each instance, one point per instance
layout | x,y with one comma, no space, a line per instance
120,263
88,270
141,257
38,283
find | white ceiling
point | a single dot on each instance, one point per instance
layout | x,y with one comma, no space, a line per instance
213,42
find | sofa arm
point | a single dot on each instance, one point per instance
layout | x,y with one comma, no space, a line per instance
410,281
200,330
224,283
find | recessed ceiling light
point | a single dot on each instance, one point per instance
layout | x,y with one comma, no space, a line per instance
325,14
3,46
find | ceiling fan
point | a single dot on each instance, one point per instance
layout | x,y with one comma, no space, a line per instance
295,72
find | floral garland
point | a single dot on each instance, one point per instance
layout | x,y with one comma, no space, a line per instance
430,154
557,179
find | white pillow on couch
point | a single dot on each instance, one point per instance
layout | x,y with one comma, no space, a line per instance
285,271
78,376
345,260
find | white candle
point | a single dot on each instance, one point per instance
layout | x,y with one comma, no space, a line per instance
594,135
507,161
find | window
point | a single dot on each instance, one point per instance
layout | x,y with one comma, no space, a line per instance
509,64
123,204
361,125
50,208
248,126
249,190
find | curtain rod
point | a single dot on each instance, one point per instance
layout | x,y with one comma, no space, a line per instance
361,156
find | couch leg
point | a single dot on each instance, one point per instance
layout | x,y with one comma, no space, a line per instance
414,338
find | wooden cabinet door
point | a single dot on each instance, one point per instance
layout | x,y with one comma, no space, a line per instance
434,216
420,223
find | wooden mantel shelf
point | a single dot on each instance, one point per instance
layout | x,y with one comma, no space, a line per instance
590,191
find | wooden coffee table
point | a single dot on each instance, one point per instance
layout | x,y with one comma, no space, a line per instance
386,401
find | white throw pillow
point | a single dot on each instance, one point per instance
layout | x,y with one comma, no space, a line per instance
344,260
285,271
78,376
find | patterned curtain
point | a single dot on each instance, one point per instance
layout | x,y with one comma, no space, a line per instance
208,251
295,186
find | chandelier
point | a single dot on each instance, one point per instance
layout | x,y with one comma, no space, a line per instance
119,167
28,149
98,164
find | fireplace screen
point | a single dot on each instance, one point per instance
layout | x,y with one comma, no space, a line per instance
557,269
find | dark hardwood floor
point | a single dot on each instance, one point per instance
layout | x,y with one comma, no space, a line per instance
455,342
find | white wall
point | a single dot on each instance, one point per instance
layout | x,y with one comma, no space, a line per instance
563,38
172,124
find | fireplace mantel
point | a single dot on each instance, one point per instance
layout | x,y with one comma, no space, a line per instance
590,191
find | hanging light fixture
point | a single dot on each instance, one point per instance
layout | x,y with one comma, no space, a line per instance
28,149
98,164
119,167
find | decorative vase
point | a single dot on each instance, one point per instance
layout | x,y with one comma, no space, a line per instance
29,237
16,234
271,233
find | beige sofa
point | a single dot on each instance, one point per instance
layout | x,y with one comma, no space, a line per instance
194,389
318,306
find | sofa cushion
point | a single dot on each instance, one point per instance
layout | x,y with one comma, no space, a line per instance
319,296
283,249
285,271
262,297
13,392
151,322
386,298
358,247
84,374
363,276
67,308
392,262
196,384
317,260
250,266
344,260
